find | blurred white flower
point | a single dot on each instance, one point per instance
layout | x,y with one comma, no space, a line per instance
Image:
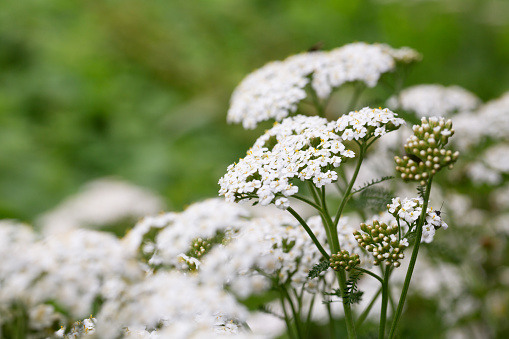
434,100
101,202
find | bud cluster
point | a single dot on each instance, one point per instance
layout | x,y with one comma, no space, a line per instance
382,241
344,260
425,153
199,247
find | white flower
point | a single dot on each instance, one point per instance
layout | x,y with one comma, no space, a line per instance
274,90
282,203
434,100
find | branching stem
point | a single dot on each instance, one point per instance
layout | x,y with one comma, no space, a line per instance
413,260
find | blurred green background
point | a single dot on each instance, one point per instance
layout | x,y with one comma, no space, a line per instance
139,89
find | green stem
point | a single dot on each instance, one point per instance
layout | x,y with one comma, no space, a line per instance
316,102
349,188
370,273
296,317
309,232
359,88
385,299
308,318
332,323
333,239
413,259
307,201
365,313
287,320
350,325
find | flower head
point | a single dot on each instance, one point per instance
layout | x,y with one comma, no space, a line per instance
301,148
275,90
425,149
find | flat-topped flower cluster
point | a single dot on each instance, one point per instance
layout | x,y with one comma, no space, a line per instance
438,100
274,91
303,148
409,210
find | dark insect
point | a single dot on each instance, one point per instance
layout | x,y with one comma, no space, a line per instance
414,158
316,47
439,212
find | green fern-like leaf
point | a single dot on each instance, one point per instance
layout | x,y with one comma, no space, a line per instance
318,269
351,293
421,190
374,199
268,310
371,183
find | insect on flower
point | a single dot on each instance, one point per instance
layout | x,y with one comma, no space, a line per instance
438,213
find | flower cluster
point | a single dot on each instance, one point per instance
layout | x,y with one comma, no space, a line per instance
427,100
168,298
101,202
344,260
300,147
425,150
488,122
409,211
367,123
71,271
274,91
78,329
271,250
303,148
383,242
180,239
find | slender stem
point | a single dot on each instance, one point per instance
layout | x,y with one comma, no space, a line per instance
374,275
310,311
332,323
365,313
312,189
385,299
325,218
298,296
316,101
287,320
307,201
349,188
296,317
332,237
309,232
350,325
413,259
357,93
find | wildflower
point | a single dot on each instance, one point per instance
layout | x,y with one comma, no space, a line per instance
426,153
303,148
275,90
427,100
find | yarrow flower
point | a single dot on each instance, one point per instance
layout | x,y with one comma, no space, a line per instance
303,148
382,241
180,239
274,91
78,329
409,210
427,100
425,150
386,237
274,249
488,122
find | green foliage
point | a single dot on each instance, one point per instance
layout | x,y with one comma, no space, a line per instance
372,199
128,89
371,183
351,293
315,272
